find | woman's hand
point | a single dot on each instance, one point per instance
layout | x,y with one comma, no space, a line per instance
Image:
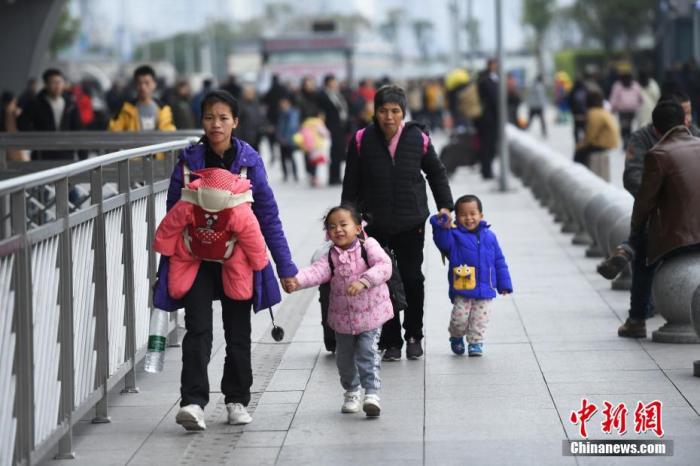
356,288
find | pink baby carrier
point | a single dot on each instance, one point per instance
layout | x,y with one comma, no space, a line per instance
207,238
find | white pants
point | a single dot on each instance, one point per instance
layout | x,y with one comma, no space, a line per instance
469,317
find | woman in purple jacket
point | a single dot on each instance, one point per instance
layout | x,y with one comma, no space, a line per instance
218,148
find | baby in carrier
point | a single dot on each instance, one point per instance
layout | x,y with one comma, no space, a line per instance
213,221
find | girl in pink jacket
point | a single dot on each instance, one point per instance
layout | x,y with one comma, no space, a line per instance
357,270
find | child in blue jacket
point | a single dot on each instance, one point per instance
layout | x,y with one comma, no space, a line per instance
477,269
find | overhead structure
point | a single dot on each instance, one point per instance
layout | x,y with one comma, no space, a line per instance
27,27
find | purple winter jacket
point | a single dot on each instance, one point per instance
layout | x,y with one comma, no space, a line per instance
266,289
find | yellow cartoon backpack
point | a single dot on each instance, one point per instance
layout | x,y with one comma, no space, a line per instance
464,277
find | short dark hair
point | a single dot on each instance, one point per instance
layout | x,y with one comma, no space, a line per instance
469,198
328,78
50,73
390,94
220,96
594,99
144,70
676,96
666,115
351,209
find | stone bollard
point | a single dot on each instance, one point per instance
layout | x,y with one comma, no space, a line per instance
594,208
695,318
589,186
675,282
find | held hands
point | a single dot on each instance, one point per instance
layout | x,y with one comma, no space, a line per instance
356,288
445,218
289,284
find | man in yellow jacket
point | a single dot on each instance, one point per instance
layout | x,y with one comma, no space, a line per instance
145,113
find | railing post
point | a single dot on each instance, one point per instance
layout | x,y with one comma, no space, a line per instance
101,308
65,332
23,327
130,313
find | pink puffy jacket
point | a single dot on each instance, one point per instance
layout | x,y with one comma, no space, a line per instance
366,311
249,252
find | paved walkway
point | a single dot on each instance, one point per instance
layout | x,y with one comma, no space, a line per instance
548,345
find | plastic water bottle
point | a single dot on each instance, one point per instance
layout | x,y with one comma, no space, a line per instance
157,336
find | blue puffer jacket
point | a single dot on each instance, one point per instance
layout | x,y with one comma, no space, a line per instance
477,249
265,208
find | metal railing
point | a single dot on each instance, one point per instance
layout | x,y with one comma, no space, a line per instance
41,199
75,298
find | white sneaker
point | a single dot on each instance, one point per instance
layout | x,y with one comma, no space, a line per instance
238,414
371,405
351,403
191,417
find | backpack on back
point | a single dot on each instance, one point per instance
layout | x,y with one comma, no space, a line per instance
397,293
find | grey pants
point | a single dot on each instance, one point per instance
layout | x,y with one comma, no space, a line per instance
358,360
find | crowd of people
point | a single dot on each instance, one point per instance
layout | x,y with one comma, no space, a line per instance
378,227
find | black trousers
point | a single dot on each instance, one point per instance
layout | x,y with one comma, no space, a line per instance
287,153
488,142
539,113
338,145
408,248
642,277
196,346
583,154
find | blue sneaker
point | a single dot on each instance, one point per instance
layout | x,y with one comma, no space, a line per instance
457,344
475,349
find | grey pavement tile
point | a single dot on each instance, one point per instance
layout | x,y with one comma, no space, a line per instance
289,380
625,383
489,422
460,387
292,397
309,334
582,361
604,343
272,417
687,384
390,453
260,456
300,356
466,450
486,378
322,424
497,358
164,447
672,356
94,458
252,439
116,427
555,328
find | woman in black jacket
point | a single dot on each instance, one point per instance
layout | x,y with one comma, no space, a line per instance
384,178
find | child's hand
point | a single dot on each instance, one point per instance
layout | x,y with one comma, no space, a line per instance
290,284
445,218
356,288
505,292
